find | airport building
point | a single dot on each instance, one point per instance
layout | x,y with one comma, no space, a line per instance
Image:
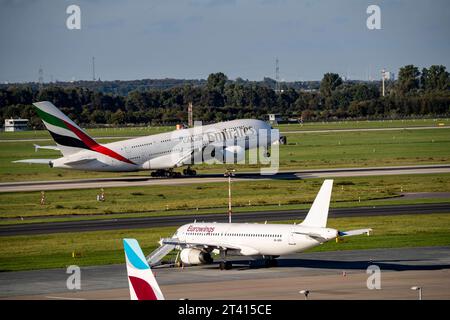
274,118
12,125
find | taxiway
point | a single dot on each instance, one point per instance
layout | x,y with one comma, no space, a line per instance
327,275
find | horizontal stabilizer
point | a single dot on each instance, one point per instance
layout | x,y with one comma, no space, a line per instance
314,236
354,232
37,147
37,161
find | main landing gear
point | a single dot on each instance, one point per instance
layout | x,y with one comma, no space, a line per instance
189,172
224,265
169,173
165,173
270,262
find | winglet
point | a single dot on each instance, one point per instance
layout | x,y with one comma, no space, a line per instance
318,214
141,281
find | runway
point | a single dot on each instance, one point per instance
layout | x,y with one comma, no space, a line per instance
178,220
130,181
327,275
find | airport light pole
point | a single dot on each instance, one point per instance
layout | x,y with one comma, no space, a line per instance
229,174
418,289
305,293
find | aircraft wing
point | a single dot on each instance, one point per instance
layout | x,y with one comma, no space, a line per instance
200,245
247,251
354,232
37,161
80,161
314,236
183,158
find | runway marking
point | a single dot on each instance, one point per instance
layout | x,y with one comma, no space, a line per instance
64,298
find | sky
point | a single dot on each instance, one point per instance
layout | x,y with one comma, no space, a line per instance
189,39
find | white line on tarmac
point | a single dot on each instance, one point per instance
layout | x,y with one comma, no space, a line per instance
64,298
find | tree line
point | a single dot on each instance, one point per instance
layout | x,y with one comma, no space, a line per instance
417,92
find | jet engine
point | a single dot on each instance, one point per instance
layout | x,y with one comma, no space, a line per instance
230,154
195,256
237,153
223,154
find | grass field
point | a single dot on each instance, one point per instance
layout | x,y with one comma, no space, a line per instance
142,131
303,151
105,247
364,124
212,197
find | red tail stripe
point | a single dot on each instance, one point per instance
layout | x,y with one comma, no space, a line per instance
142,288
94,146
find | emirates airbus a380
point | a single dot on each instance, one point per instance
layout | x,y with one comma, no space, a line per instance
197,241
223,142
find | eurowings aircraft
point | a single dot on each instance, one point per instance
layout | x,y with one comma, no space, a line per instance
141,281
160,153
197,241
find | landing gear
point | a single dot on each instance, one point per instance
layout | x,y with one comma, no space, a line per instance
225,265
270,262
266,152
165,173
189,172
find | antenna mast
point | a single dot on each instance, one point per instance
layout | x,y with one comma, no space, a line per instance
41,77
190,115
93,68
229,174
277,76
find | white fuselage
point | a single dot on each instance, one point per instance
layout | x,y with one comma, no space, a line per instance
168,150
252,239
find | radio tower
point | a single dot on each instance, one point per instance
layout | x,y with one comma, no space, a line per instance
190,115
277,76
93,68
41,77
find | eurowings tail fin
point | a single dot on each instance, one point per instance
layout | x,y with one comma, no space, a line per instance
318,214
141,281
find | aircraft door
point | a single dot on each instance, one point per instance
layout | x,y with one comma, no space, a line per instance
291,240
